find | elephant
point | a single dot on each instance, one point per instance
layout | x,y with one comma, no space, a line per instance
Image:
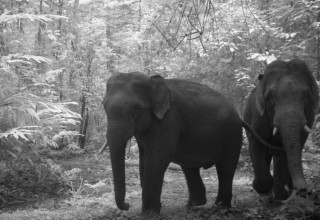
281,109
172,120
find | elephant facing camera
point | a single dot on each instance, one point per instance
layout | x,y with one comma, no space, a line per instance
281,109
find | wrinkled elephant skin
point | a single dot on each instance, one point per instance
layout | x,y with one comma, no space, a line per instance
173,121
281,109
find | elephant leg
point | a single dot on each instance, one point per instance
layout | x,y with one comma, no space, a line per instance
289,182
225,171
197,190
141,165
261,160
154,169
281,177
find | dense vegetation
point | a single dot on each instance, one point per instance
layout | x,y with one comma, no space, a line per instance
56,56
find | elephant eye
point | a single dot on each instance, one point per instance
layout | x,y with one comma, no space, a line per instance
137,112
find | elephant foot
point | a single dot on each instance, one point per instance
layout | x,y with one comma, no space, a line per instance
150,215
280,193
263,186
150,208
223,205
197,201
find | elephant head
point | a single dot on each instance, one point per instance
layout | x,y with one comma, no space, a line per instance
288,96
132,102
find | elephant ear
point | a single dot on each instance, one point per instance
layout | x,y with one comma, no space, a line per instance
161,98
108,86
260,99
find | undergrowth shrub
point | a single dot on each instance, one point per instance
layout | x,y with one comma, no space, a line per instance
71,151
244,160
28,178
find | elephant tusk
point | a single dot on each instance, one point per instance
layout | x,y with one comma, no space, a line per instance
104,146
274,131
307,129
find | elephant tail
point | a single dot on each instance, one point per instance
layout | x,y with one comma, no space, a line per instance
257,136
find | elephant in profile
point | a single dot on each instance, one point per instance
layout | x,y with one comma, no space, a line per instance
281,109
176,121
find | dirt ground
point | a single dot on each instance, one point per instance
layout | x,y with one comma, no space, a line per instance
92,196
174,193
246,203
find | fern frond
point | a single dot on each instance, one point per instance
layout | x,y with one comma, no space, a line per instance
7,18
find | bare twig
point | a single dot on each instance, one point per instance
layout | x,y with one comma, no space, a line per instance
193,23
180,41
197,15
214,16
206,14
201,42
164,37
191,33
190,22
175,10
180,20
255,17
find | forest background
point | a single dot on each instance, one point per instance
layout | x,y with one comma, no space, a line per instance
56,56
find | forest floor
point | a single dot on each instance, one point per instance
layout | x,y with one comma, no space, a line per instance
91,196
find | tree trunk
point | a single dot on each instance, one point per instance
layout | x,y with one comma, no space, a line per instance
89,60
20,25
61,79
40,39
40,42
60,13
74,42
84,108
318,50
111,61
84,122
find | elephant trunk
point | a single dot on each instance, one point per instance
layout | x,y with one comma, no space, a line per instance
290,131
117,140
